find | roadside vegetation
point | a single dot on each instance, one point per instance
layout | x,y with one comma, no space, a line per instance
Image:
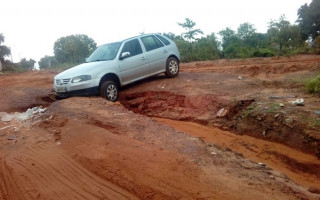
313,85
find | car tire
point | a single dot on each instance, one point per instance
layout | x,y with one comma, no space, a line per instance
172,67
110,91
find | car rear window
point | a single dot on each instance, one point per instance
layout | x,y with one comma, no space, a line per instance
164,40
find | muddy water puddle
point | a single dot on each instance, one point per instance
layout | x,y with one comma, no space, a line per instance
300,167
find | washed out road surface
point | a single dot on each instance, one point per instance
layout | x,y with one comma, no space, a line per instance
163,139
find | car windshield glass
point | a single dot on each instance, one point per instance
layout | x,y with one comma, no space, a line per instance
105,52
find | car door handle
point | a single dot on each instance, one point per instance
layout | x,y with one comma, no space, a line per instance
143,58
165,51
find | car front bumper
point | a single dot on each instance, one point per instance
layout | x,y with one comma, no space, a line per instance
85,88
83,92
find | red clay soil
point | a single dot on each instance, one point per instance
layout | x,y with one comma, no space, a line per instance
88,148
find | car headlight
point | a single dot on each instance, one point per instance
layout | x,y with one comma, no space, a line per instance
78,79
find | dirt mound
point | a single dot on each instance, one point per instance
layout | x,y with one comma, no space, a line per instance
277,68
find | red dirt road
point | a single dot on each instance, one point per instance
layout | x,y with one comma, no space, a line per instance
88,148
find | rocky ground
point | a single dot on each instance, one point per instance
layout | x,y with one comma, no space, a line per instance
222,129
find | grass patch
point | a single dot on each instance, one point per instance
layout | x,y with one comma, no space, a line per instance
251,110
273,108
254,110
313,123
313,85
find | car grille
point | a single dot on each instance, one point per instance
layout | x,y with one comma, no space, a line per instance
62,81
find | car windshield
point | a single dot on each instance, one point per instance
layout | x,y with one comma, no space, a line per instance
105,52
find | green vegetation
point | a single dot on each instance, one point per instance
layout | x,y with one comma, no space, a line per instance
255,110
274,107
313,85
7,65
27,64
251,110
282,38
73,48
315,123
68,52
47,62
4,51
311,122
309,20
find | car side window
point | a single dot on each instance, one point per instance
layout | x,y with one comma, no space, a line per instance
164,40
132,46
151,42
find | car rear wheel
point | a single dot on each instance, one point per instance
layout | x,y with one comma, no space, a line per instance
172,68
110,91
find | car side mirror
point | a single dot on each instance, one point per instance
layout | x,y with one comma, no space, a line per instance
124,55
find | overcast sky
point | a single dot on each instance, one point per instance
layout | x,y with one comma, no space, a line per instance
31,27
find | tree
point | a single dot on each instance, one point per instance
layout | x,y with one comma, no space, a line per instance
316,44
285,35
228,36
187,41
207,48
191,32
47,62
246,32
262,40
170,35
73,48
27,64
309,19
230,43
4,50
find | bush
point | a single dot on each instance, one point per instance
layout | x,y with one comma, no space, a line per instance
317,45
8,66
313,85
263,53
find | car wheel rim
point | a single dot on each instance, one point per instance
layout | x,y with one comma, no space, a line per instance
173,67
112,92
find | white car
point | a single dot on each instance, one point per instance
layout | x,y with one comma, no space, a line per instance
114,65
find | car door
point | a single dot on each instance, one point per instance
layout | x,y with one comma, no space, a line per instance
132,61
156,52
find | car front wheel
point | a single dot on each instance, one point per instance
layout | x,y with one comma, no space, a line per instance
172,68
110,91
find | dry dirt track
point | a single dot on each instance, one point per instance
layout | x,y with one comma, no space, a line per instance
87,148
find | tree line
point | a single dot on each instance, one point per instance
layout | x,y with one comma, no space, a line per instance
72,49
281,38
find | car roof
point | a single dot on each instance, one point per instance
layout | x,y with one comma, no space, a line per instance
141,35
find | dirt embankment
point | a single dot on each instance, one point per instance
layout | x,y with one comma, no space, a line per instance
253,93
87,148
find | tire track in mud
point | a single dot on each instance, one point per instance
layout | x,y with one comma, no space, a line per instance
3,191
42,171
7,183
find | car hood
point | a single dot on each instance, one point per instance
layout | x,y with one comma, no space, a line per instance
91,68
